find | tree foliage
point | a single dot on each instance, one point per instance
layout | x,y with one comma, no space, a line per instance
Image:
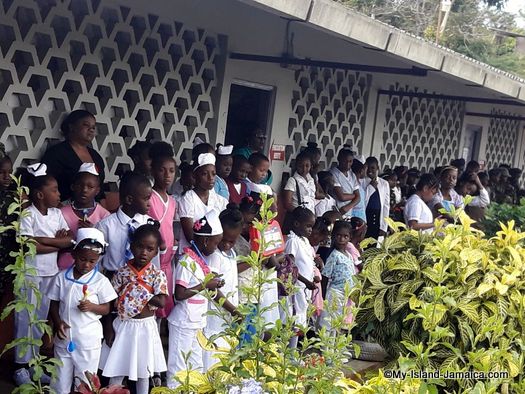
471,27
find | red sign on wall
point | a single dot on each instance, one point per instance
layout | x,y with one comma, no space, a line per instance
277,153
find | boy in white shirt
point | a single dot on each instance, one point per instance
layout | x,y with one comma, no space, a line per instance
135,192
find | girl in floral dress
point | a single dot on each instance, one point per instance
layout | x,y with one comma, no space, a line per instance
135,345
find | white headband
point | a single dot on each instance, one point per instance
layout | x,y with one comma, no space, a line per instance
90,168
225,150
37,169
205,159
197,141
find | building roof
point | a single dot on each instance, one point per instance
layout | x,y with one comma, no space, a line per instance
506,33
338,19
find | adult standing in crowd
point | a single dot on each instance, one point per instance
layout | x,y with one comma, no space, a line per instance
504,192
346,188
64,159
255,143
377,200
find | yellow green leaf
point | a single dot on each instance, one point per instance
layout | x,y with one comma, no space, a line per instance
484,287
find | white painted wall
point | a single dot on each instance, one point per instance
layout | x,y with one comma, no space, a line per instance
249,29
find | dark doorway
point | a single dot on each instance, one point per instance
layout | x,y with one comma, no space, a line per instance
471,142
249,106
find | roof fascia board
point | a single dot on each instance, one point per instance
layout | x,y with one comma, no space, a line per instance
296,9
465,70
502,83
415,49
522,93
335,17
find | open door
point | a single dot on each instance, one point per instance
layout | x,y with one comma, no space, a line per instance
250,106
471,142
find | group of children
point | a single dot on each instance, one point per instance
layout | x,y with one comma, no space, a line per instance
108,279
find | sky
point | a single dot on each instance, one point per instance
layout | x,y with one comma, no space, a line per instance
514,6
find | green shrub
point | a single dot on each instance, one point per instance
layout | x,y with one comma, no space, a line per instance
452,300
503,213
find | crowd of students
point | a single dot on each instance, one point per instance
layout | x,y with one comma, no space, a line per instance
109,279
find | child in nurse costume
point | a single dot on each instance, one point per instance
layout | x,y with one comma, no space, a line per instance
79,296
163,208
135,346
299,246
224,262
189,314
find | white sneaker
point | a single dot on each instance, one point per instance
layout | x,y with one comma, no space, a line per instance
22,376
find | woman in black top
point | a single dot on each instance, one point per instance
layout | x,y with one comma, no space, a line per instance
64,159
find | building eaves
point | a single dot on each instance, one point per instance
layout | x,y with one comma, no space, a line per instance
336,18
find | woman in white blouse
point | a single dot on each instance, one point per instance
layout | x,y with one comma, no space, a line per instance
346,189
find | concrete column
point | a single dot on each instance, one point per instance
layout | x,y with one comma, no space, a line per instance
377,147
485,123
520,148
368,132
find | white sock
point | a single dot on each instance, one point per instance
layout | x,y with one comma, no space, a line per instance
116,380
143,386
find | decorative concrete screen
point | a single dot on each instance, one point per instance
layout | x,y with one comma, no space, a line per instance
420,132
502,141
143,76
328,107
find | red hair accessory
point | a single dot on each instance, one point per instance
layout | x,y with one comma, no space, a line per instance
259,202
250,198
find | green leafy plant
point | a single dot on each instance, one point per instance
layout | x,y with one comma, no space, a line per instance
20,271
452,300
503,213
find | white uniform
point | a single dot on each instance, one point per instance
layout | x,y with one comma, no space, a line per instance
482,201
85,328
185,320
325,205
116,229
225,264
306,190
192,207
348,182
304,255
416,209
46,266
269,293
